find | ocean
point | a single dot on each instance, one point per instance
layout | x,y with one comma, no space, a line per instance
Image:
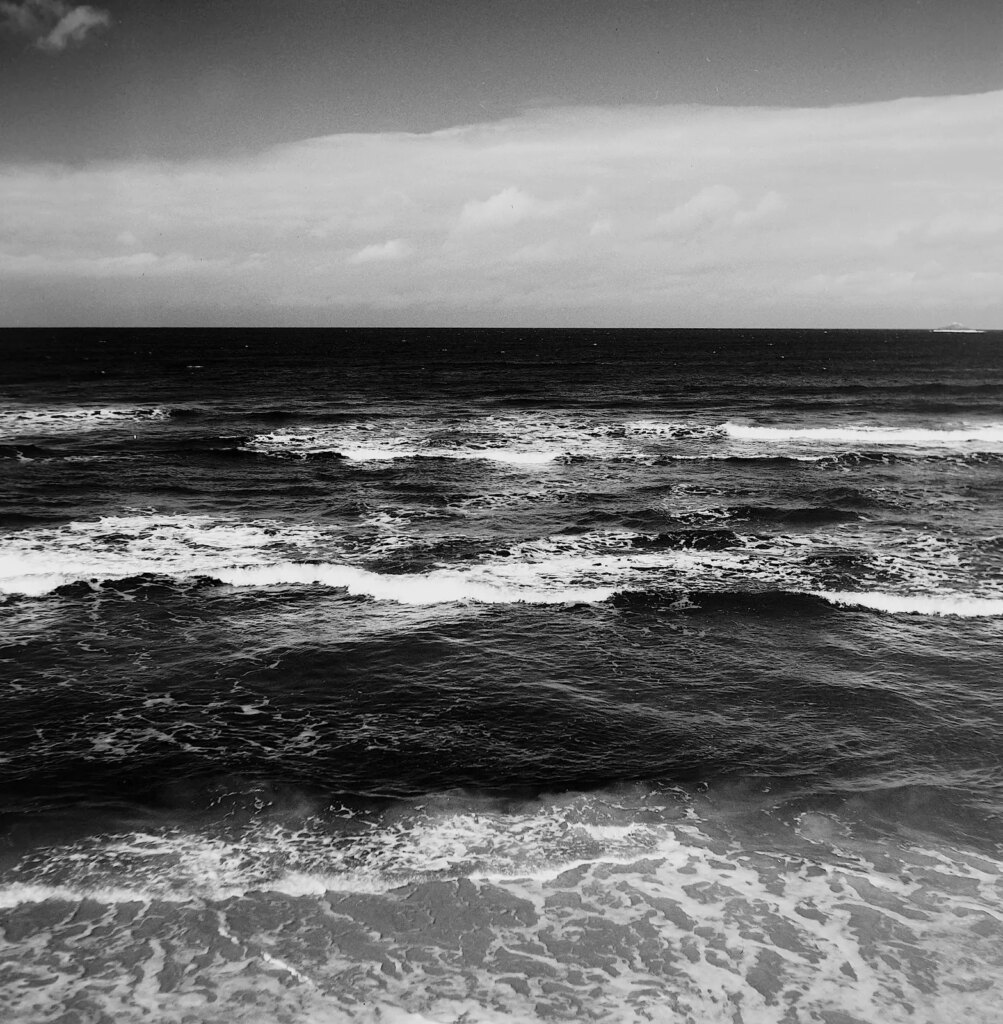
493,676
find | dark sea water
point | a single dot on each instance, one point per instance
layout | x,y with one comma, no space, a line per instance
501,676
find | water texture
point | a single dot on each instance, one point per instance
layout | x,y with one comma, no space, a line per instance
492,676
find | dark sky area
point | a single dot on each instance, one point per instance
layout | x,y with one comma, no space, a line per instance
191,78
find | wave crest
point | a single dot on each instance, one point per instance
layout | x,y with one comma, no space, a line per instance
787,602
848,434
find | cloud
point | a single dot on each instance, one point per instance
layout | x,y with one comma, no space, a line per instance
52,25
510,206
718,206
884,214
133,265
772,204
708,206
382,252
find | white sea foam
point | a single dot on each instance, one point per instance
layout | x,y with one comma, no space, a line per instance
986,434
505,455
594,567
305,443
16,894
616,906
917,575
37,561
30,421
679,430
441,586
526,439
536,439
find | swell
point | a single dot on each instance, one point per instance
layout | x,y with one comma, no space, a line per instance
779,602
794,602
807,515
212,447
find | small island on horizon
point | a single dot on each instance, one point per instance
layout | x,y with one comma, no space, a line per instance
956,328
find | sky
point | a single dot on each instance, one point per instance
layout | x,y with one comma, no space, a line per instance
652,163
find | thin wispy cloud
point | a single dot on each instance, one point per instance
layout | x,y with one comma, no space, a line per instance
52,25
661,216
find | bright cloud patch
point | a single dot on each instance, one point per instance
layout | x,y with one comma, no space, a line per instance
381,252
52,25
505,208
887,214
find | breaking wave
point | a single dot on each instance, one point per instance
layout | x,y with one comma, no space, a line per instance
30,421
991,433
338,444
443,586
140,555
38,561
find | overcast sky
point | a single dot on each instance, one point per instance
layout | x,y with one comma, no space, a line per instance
819,163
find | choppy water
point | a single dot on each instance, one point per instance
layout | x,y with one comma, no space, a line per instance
487,676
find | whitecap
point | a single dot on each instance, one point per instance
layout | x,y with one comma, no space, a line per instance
443,586
36,561
991,433
30,421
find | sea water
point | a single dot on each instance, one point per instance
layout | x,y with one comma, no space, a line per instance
499,676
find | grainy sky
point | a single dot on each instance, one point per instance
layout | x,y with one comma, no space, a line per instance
639,162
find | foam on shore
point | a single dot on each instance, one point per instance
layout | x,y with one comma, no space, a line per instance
620,906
